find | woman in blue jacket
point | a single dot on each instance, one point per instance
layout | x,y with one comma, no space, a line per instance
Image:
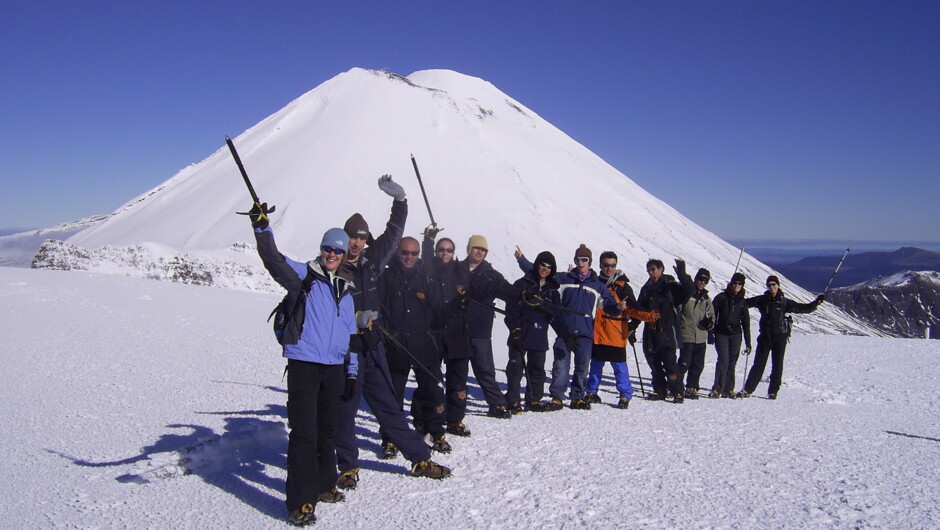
316,345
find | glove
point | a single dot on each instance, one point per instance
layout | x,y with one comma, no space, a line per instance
431,232
706,323
258,214
631,338
391,187
679,268
350,390
515,336
711,338
364,319
747,350
820,299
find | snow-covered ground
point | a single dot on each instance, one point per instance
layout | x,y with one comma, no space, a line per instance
136,403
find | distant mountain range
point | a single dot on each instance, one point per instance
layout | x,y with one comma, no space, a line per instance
906,304
813,273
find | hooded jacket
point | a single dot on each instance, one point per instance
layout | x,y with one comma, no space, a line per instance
533,321
696,308
329,316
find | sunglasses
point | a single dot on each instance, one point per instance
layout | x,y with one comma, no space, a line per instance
445,250
582,260
408,253
701,279
332,250
771,284
609,265
737,283
546,265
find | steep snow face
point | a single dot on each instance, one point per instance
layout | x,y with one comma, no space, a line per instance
490,165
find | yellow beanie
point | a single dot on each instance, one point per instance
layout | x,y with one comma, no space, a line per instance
477,241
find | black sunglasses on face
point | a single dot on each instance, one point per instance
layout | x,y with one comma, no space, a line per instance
446,250
332,250
771,284
407,253
609,265
737,283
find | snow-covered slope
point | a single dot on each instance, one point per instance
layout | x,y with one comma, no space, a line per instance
17,250
906,304
134,403
491,166
899,279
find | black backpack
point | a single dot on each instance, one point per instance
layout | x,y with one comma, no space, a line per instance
290,312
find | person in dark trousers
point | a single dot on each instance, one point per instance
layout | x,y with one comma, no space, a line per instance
611,334
409,301
582,292
365,262
450,329
316,351
775,327
663,293
486,284
696,321
528,322
732,320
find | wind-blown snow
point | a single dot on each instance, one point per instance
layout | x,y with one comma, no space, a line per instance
136,403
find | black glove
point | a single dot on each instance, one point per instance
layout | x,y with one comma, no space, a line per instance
350,391
706,323
631,338
258,214
679,268
431,232
820,299
515,337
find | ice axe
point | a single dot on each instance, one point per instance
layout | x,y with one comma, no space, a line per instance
423,193
241,168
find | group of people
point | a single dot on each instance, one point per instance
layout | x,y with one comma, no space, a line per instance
369,310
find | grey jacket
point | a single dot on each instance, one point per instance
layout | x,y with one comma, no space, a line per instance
698,307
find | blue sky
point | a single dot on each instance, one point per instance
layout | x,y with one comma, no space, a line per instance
756,119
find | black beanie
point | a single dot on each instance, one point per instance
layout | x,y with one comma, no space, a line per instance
737,277
703,273
356,226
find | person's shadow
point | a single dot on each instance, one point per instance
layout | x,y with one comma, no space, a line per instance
235,461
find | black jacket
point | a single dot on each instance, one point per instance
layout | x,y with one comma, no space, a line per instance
773,311
485,285
732,316
370,265
450,324
667,295
532,320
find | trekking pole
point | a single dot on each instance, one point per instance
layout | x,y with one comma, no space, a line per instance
404,349
837,270
241,168
736,265
640,377
747,357
423,194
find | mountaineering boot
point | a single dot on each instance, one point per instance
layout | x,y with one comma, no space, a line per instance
302,516
349,479
772,395
553,405
580,404
499,412
430,469
536,406
623,403
592,398
714,394
691,393
458,429
334,495
727,395
441,446
743,394
516,408
678,398
389,451
655,396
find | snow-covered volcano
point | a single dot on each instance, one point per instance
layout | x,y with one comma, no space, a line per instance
491,166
